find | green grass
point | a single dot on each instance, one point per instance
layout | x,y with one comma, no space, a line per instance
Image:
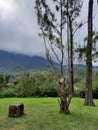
43,114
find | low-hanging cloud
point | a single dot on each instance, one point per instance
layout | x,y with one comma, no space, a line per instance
19,29
19,33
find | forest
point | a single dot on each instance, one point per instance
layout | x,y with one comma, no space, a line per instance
42,84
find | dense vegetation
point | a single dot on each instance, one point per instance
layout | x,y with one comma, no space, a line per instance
37,84
41,84
42,114
80,86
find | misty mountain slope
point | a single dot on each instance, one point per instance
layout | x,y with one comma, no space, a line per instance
10,62
13,62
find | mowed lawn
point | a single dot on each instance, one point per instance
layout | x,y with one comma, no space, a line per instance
43,114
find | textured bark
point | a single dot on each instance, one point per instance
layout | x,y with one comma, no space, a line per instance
16,110
88,94
71,57
63,99
61,39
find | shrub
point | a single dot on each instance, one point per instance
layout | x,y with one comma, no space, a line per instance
8,92
50,92
1,78
40,84
80,89
25,87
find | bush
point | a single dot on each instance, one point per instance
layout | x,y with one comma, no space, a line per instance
8,92
49,92
36,92
25,87
79,89
95,86
95,93
40,84
79,93
1,78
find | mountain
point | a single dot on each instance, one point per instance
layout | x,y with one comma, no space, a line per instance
13,62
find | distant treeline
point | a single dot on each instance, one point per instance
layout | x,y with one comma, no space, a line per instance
41,84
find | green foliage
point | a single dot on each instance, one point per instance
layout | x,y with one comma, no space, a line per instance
47,21
1,78
82,50
43,84
95,85
80,87
7,77
25,87
8,92
79,75
50,25
37,84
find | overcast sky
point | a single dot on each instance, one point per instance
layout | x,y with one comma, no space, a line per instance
19,29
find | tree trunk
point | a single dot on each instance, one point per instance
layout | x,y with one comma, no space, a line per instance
63,99
88,94
71,56
61,32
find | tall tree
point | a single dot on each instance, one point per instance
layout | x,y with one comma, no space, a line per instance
52,30
73,12
88,94
52,25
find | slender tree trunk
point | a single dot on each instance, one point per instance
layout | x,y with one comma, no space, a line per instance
61,32
71,56
63,98
88,94
70,60
64,101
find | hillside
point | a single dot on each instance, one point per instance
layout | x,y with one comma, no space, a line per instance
12,62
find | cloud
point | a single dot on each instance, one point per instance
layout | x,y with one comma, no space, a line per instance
7,8
19,29
19,32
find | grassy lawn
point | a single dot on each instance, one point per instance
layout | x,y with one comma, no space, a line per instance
43,114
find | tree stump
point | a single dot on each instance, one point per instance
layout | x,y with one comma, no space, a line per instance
16,110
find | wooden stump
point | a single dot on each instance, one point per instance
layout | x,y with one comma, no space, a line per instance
16,110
